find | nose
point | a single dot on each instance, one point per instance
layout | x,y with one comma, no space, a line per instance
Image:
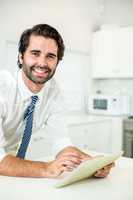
42,61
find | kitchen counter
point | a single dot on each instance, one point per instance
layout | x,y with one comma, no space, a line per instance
117,186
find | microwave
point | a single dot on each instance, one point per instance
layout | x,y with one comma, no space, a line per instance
109,104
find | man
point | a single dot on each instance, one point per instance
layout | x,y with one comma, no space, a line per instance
40,50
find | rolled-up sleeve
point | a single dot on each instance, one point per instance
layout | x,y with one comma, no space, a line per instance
2,154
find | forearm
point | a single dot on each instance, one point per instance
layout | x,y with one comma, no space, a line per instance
13,166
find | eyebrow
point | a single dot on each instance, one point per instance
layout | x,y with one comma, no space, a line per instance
34,50
49,53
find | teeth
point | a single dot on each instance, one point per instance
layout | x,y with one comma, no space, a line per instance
40,70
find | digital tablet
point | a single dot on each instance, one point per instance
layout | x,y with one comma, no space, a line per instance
86,169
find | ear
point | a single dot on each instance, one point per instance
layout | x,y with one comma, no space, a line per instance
20,57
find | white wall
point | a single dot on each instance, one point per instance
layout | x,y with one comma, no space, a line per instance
73,19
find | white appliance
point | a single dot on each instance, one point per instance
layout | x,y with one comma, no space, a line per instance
109,104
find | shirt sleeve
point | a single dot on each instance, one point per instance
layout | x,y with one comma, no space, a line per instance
2,139
2,154
56,126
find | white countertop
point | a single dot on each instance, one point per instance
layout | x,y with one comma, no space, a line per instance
117,186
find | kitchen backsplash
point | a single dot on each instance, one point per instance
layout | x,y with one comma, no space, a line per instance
114,86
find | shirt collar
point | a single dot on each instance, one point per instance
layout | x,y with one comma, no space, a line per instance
25,92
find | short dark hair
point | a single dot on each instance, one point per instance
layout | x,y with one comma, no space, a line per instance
44,30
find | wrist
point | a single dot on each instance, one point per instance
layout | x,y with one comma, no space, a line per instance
46,173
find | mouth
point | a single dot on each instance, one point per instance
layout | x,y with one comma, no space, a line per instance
40,71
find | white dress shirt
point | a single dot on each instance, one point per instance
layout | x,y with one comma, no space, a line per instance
48,113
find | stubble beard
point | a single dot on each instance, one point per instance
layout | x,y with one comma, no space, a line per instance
35,80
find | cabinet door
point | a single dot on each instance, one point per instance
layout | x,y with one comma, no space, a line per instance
117,134
125,52
112,53
104,54
95,136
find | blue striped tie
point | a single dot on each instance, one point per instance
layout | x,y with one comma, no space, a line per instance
28,116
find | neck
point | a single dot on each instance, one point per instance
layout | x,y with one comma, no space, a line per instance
33,87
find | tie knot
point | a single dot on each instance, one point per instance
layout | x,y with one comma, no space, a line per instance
31,107
34,99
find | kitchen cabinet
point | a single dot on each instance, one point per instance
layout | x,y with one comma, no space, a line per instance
117,133
95,136
88,132
97,133
124,52
103,56
111,55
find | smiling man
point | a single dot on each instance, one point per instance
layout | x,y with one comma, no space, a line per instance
31,101
39,63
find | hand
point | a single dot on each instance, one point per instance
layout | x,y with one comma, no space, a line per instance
101,173
75,153
80,156
67,162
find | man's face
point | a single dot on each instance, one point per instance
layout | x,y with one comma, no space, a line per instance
39,61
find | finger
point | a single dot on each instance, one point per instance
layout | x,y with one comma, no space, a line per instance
75,160
65,169
101,173
69,164
60,170
72,159
70,154
109,166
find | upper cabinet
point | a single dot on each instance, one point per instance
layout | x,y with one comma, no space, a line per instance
112,53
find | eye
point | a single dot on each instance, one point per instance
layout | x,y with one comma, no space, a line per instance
51,56
35,53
